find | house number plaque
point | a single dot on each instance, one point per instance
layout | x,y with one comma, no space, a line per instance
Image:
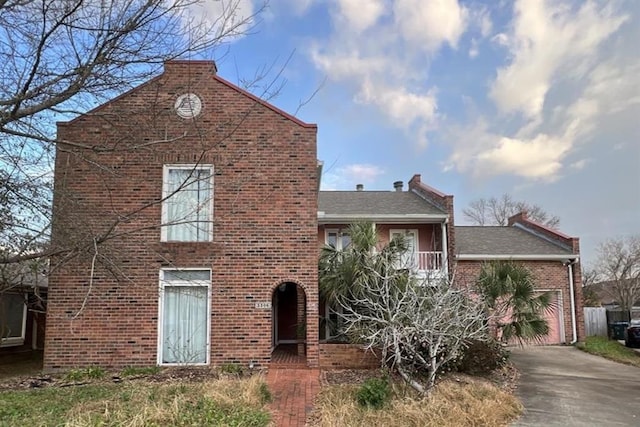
263,305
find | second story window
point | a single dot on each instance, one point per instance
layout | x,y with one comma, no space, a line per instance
187,208
338,239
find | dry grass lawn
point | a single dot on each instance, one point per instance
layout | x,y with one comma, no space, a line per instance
457,401
223,401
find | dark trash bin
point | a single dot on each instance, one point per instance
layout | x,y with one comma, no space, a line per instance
617,330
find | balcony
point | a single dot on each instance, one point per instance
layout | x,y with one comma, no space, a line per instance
425,264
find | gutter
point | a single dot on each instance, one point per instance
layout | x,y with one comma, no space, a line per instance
528,257
324,218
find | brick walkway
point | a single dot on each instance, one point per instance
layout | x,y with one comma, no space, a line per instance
293,391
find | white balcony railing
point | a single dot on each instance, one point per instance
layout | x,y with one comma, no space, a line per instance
429,263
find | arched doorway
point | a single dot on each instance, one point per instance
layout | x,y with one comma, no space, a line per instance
289,326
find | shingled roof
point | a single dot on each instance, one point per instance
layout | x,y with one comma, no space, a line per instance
505,241
375,203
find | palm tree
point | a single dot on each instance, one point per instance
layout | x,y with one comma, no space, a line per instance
508,290
345,273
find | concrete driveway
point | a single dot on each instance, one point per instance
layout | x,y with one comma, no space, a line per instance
562,386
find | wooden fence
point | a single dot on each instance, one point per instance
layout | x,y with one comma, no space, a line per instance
595,321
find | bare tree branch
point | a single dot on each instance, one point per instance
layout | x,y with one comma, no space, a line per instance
496,211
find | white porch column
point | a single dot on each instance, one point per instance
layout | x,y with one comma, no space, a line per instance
445,251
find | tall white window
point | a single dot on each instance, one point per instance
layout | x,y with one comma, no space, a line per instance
184,317
187,210
13,319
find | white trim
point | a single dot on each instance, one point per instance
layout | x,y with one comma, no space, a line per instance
531,257
445,249
165,195
406,231
17,341
380,218
339,232
193,283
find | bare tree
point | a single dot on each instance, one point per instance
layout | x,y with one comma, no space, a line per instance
61,58
618,269
590,296
497,210
419,326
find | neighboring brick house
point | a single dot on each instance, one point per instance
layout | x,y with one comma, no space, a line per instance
552,257
438,248
189,209
23,302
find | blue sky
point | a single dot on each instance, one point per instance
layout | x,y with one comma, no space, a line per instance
537,99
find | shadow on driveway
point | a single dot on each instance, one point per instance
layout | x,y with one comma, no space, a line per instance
562,386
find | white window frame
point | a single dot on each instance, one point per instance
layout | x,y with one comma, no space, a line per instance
16,341
165,196
339,233
186,283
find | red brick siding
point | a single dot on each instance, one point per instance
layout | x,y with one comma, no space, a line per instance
346,356
549,275
265,225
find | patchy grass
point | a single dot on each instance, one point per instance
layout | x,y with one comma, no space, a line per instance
457,401
215,402
610,349
136,371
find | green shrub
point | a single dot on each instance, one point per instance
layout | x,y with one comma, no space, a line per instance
95,372
75,375
481,357
231,368
373,393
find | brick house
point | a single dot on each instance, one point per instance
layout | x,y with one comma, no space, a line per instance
187,208
188,218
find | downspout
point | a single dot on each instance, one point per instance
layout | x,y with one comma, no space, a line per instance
572,295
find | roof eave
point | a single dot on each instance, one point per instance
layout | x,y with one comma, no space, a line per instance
517,257
381,218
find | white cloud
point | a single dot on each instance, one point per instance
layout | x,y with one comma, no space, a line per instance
538,158
473,50
546,38
346,177
430,23
360,14
299,7
580,164
402,106
566,82
381,51
231,18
